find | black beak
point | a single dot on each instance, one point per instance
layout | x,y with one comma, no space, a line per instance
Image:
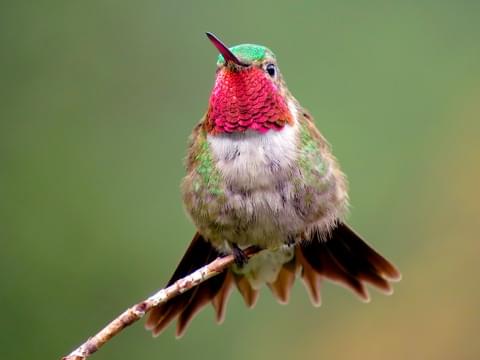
226,53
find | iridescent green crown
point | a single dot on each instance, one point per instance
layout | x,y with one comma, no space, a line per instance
248,53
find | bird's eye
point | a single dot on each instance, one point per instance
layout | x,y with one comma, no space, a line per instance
271,70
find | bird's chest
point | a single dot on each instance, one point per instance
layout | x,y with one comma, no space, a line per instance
256,190
255,162
257,171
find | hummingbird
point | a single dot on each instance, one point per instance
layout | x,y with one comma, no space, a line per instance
259,173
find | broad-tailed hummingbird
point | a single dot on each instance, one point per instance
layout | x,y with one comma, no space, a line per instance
260,173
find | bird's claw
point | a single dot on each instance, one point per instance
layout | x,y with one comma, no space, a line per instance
239,256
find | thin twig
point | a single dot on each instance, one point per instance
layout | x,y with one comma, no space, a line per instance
137,311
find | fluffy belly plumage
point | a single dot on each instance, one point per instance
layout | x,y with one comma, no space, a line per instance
262,197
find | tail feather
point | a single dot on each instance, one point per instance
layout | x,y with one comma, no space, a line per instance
355,265
219,302
310,278
202,297
186,305
162,316
283,284
322,261
343,257
249,294
381,265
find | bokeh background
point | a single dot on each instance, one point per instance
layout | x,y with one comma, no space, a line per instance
97,101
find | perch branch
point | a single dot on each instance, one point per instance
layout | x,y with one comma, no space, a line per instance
137,311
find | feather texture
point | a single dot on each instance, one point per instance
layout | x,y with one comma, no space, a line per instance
343,257
260,173
186,305
283,284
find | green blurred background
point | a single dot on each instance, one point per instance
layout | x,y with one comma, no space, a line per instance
97,101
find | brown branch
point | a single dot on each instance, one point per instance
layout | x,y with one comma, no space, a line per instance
137,311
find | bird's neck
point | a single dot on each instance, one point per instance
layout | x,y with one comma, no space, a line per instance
258,159
246,100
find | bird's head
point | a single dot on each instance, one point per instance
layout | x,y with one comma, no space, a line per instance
249,92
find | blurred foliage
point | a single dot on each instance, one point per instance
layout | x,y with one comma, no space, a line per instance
98,99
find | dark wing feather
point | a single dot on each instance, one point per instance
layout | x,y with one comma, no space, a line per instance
186,305
344,257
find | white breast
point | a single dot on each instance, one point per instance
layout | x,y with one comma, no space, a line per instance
258,163
250,159
257,170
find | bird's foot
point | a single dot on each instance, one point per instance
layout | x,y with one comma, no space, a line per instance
290,241
239,256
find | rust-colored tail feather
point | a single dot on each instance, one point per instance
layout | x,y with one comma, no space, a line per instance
219,302
310,277
204,294
249,294
186,305
284,282
343,257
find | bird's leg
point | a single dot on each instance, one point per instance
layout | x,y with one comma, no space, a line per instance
239,256
291,240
